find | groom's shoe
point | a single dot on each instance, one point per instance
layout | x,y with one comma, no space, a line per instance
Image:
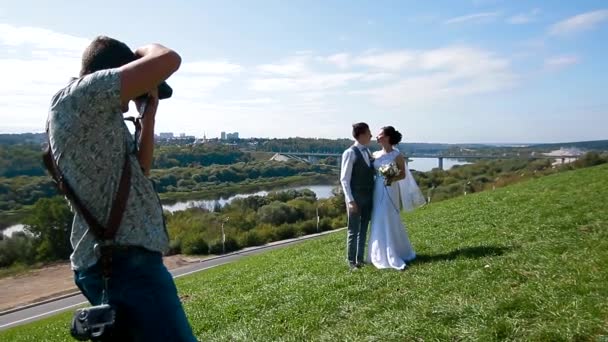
360,264
352,266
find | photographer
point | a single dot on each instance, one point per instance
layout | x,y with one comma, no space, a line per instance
92,148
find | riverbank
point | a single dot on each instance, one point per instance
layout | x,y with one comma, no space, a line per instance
224,190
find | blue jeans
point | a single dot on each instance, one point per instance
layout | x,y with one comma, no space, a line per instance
144,295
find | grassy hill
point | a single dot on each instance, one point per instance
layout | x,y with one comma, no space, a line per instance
524,262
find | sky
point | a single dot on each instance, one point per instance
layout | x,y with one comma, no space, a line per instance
469,71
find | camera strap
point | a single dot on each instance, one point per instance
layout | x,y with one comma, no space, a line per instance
105,235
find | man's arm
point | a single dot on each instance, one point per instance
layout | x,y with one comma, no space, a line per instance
346,174
155,65
146,140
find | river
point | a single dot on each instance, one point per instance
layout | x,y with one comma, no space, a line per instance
322,192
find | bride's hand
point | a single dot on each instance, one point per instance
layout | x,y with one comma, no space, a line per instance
353,208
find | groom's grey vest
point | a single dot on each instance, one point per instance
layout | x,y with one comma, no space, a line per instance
362,179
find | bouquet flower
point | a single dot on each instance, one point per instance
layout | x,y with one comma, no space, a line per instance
389,171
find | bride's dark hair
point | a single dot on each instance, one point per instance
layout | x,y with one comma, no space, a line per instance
394,136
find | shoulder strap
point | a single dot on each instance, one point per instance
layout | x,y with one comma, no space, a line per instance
118,206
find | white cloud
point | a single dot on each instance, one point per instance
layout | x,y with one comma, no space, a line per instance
255,101
341,60
473,18
304,82
524,18
579,23
210,67
392,78
560,62
378,76
36,62
446,73
290,67
40,38
395,60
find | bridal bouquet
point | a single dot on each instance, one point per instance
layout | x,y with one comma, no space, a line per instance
389,171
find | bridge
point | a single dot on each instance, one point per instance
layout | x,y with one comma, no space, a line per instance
313,157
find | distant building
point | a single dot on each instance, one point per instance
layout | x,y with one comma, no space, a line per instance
166,135
223,136
182,135
232,136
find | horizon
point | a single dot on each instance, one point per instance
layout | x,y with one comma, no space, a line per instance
467,72
498,144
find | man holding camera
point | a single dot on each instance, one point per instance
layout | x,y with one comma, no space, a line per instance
92,148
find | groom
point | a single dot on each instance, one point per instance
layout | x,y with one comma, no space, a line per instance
357,178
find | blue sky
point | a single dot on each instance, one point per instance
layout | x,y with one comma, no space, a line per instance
441,71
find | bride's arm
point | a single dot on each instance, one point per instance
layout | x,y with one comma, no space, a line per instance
400,161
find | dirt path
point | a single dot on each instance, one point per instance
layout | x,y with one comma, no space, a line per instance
52,281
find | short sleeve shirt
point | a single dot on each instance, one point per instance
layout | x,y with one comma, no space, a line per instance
89,140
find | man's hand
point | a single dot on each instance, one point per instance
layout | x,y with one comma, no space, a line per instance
146,142
149,103
353,208
155,63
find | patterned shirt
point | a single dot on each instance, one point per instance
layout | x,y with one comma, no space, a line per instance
88,137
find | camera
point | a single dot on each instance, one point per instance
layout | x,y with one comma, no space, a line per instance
92,322
164,92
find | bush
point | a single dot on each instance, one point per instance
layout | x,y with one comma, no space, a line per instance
286,231
251,238
308,227
216,246
175,247
339,222
195,244
325,224
19,248
267,233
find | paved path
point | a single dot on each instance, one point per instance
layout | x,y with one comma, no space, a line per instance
36,311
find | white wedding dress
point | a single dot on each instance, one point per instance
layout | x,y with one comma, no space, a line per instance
389,244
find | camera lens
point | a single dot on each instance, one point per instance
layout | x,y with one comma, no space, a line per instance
82,315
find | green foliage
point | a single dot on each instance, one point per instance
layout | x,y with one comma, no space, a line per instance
491,174
50,222
46,235
185,156
186,179
17,192
252,238
19,248
21,160
194,244
277,213
255,220
230,245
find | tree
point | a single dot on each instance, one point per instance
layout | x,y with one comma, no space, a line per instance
50,223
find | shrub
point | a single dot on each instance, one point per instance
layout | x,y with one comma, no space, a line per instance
286,231
216,246
251,238
194,244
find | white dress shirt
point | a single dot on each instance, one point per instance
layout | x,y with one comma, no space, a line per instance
348,159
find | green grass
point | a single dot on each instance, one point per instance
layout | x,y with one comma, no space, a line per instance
526,262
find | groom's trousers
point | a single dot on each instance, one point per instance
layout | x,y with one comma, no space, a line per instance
357,231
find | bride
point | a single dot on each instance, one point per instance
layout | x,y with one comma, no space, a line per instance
389,245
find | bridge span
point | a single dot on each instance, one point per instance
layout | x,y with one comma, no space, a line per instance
313,157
